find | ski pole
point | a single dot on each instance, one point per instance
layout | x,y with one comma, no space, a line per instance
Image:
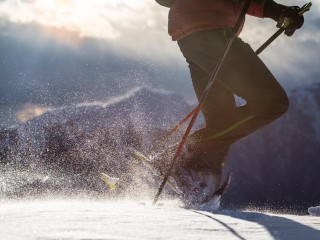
285,24
203,98
172,131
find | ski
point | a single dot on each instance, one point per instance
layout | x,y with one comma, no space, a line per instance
110,182
147,161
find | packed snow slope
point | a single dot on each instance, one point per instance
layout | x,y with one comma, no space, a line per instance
86,219
62,151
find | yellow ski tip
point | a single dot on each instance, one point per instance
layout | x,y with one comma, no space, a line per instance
140,155
109,181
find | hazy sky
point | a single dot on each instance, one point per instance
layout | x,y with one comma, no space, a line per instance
62,48
141,26
137,26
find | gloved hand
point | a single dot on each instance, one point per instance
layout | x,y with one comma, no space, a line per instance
295,21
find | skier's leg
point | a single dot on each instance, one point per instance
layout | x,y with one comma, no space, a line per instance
220,102
242,73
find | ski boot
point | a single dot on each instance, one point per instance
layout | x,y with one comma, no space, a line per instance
197,175
198,181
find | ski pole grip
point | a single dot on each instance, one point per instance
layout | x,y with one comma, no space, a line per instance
303,9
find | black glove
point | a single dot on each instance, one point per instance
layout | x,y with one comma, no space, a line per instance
295,20
281,13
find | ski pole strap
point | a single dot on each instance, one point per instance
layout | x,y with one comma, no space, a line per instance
285,24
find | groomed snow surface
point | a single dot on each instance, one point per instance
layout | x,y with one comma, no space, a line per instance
92,219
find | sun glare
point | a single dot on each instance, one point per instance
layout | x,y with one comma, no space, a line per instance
30,111
94,18
126,24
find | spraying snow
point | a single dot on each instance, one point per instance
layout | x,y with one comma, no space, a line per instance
64,150
315,211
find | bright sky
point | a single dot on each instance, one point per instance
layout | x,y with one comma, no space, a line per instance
140,27
132,24
94,18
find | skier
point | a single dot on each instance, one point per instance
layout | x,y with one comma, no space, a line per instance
202,29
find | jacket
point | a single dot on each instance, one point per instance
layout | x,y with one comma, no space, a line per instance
188,16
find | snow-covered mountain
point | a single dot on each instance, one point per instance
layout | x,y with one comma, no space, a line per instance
277,166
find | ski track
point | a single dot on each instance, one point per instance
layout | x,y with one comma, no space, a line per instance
92,219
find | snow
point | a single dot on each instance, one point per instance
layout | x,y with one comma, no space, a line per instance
124,219
315,211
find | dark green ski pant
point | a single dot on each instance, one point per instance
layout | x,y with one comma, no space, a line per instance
242,74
